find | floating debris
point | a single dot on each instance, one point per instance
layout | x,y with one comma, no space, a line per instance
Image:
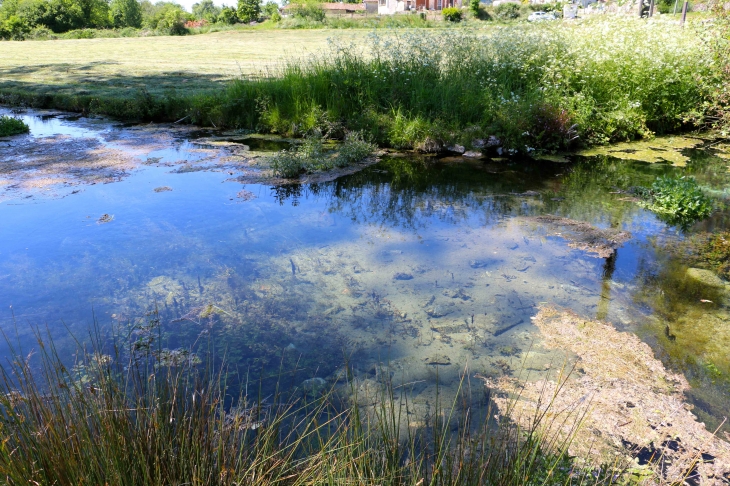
105,218
163,189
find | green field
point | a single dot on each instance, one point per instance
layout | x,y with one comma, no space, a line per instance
122,66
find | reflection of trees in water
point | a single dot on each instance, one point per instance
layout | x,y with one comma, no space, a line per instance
410,192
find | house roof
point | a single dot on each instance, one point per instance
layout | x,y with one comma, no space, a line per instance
334,6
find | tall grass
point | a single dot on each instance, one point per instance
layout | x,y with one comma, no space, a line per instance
545,87
145,420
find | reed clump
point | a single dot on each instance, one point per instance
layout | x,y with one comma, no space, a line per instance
148,419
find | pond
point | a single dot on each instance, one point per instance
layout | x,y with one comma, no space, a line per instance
427,267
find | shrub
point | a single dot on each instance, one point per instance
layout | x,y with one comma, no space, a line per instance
287,163
452,14
507,11
41,33
474,8
14,28
12,126
353,149
678,201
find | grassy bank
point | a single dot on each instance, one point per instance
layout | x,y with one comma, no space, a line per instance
144,416
546,87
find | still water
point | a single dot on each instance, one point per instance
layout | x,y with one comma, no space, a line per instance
422,266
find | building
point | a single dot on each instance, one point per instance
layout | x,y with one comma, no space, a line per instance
388,7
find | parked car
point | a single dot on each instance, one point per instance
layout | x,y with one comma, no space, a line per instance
539,16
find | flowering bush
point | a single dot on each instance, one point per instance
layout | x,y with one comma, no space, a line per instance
543,87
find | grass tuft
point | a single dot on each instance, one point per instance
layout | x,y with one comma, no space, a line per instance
136,417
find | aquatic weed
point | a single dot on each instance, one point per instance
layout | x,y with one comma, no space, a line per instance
12,126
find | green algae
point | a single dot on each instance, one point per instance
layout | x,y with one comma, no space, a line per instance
657,150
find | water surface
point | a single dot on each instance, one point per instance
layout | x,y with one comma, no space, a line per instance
423,266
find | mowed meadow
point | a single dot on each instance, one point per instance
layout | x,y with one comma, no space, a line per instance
121,66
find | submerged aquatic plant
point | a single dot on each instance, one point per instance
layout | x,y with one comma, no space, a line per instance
12,126
677,201
136,419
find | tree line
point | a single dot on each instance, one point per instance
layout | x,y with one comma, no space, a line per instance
20,17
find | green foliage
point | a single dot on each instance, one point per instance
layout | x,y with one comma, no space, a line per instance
12,126
474,7
249,10
14,28
206,10
678,201
125,13
287,164
507,11
167,17
309,10
311,155
270,8
452,14
354,149
228,16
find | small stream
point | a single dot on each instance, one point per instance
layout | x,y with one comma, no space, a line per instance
427,267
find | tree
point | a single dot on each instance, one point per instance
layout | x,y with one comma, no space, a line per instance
271,8
125,13
474,8
228,16
249,10
206,10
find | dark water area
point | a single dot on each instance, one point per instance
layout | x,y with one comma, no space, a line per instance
423,265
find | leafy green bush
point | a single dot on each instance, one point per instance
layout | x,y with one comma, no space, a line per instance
452,14
507,11
474,8
12,126
678,201
14,28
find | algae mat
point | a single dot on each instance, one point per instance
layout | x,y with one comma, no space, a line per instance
660,149
622,397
